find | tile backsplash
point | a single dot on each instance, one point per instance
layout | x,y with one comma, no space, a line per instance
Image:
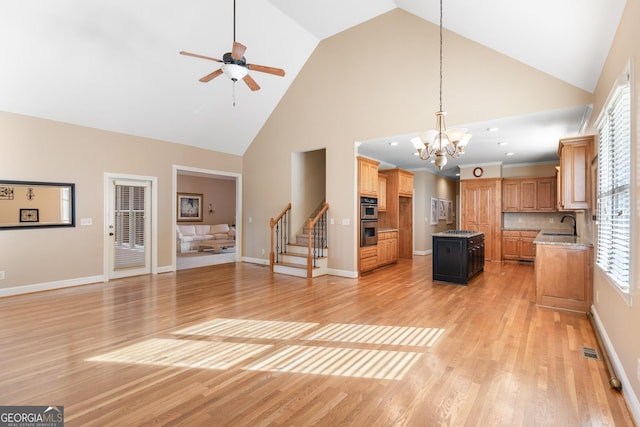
537,221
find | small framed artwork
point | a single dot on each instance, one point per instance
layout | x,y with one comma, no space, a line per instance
434,211
449,211
29,215
189,207
442,209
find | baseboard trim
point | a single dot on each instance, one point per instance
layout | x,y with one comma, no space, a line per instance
255,260
342,273
422,253
49,286
627,390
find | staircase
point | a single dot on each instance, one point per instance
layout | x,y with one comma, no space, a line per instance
307,257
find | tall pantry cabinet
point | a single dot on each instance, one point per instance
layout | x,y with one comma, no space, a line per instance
481,203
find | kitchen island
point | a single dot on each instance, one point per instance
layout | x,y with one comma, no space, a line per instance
458,255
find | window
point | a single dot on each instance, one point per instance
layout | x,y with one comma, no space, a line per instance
614,185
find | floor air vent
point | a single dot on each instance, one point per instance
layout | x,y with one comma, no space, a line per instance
590,353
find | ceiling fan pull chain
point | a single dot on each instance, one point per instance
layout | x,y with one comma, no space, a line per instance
233,93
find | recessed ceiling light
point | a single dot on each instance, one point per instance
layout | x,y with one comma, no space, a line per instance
509,154
393,143
494,129
502,143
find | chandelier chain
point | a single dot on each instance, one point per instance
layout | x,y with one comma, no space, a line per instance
440,55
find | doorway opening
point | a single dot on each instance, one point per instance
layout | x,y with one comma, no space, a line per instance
219,197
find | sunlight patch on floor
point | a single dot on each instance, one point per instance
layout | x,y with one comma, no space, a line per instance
377,334
243,328
183,353
347,362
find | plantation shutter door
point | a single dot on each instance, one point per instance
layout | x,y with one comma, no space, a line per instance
130,225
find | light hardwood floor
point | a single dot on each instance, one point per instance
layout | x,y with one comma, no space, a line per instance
234,345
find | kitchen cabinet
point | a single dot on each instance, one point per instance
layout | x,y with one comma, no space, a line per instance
481,202
399,208
368,258
574,183
387,247
529,194
518,245
563,276
368,177
405,183
382,193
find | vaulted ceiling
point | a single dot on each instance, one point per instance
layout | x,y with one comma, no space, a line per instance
115,65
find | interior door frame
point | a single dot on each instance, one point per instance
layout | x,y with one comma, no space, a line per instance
174,207
153,181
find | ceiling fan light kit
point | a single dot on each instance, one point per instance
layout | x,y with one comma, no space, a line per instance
234,64
441,142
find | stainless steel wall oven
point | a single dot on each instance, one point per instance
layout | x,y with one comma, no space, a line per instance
368,221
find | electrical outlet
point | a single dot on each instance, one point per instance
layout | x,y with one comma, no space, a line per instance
345,221
1,275
262,251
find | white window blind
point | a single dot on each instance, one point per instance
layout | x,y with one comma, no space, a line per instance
614,179
129,243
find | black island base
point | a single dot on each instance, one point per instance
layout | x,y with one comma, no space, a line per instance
458,255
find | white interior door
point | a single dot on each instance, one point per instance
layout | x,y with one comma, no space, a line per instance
129,227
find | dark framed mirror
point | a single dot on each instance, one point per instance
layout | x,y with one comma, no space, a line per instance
31,204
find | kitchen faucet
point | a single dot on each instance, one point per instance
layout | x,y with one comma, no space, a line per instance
575,233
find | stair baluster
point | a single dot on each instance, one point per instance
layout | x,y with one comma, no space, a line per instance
279,235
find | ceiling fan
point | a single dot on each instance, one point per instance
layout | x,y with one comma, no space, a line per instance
234,64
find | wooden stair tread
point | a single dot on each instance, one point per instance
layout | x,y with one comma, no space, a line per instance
289,264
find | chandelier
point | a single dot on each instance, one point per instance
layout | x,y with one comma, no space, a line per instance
441,142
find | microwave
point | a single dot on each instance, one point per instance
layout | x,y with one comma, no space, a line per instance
368,208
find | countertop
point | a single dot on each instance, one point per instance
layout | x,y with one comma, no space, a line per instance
545,239
458,233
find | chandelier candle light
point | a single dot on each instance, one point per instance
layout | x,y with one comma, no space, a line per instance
441,142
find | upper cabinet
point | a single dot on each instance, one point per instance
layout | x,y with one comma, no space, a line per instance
382,193
368,177
574,185
529,194
405,184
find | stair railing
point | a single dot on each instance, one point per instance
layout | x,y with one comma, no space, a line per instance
317,238
279,235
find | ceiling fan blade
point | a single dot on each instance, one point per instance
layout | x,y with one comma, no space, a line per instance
251,83
264,69
195,55
238,50
211,76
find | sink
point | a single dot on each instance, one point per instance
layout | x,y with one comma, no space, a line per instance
558,234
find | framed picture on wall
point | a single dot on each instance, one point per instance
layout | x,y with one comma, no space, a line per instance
189,207
449,211
434,211
442,209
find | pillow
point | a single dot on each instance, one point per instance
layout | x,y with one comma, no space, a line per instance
187,230
221,236
202,230
219,228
